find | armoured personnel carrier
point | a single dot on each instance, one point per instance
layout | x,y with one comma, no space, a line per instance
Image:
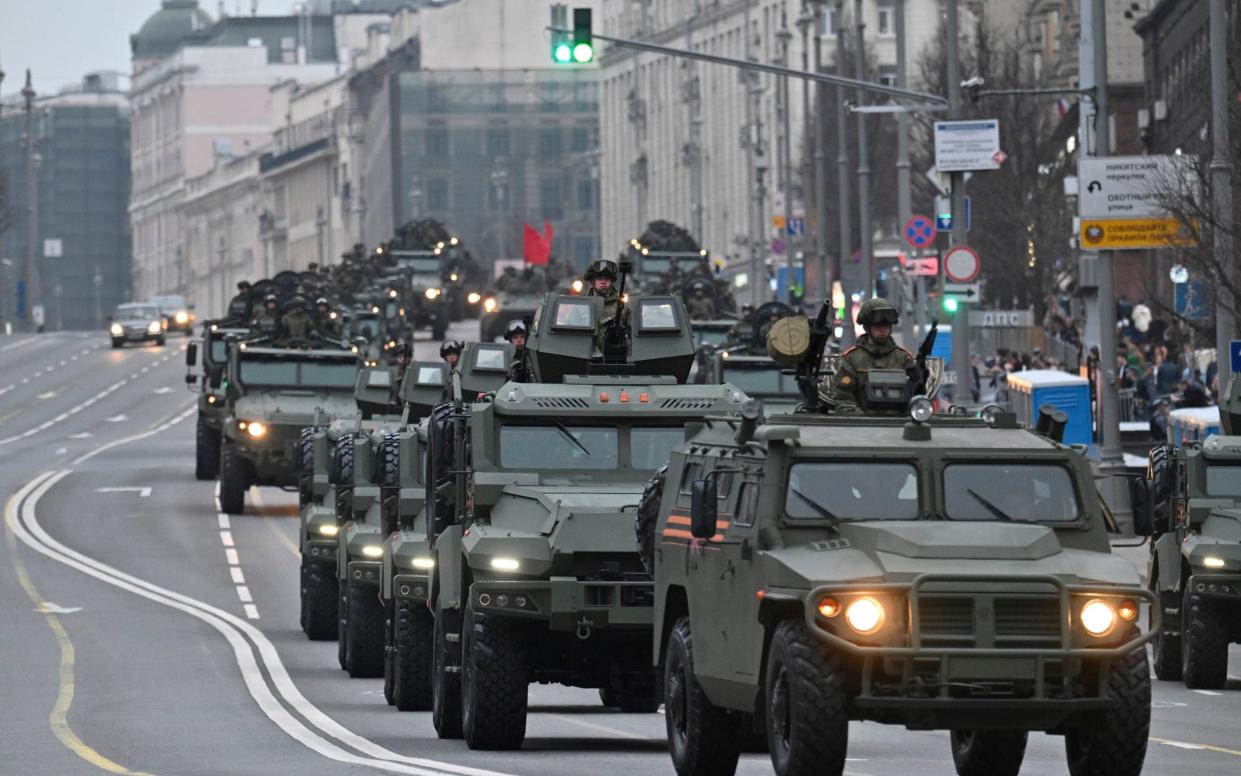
209,383
530,495
931,571
1194,491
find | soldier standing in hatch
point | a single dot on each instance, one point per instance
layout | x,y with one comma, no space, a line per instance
326,321
267,319
700,307
874,350
239,307
296,324
601,277
515,333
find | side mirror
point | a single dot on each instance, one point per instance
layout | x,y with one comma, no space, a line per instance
191,354
703,508
190,379
216,378
1143,506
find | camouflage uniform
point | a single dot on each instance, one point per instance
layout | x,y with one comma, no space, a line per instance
700,308
296,325
846,388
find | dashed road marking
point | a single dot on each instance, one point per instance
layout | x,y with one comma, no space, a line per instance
239,576
227,538
1208,692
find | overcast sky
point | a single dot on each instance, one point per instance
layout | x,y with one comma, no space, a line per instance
62,40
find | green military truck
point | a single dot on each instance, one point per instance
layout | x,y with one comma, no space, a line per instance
209,383
530,495
931,571
1195,558
272,394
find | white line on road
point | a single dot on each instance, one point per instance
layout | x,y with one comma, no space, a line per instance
243,593
252,611
1208,692
224,521
227,538
17,345
231,556
142,492
239,577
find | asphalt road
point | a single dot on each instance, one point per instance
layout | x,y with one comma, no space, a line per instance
144,632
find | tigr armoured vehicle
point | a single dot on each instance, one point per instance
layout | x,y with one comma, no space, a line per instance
530,500
932,571
1195,561
212,397
273,393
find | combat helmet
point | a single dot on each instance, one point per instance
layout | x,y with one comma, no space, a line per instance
878,310
603,268
515,327
451,346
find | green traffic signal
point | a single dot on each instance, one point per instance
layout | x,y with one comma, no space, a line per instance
950,304
583,52
562,53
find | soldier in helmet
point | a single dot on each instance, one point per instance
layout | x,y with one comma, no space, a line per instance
267,319
700,306
601,278
874,350
327,323
296,324
450,351
515,333
743,330
239,307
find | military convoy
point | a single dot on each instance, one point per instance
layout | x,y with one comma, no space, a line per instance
209,384
1193,495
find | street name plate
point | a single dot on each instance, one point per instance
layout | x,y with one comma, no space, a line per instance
1133,187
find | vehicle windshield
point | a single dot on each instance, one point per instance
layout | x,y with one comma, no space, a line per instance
364,326
286,373
169,302
1224,480
655,266
1012,492
649,448
420,264
136,312
219,351
559,447
768,380
425,279
853,490
711,336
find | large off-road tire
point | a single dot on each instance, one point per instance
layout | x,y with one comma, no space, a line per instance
805,704
1166,646
342,477
412,654
232,481
118,344
389,671
388,478
988,752
160,341
342,642
319,591
1204,643
1113,742
703,739
445,684
495,682
648,516
206,451
364,632
634,697
306,466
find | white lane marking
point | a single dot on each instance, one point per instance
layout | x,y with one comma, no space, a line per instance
236,631
135,437
75,410
7,388
239,577
46,395
17,345
62,451
252,611
50,608
142,492
25,380
1208,692
82,435
231,555
118,419
1182,745
227,538
243,593
50,369
62,363
162,390
224,521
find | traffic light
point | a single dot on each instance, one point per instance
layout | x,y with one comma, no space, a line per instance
583,46
562,43
950,304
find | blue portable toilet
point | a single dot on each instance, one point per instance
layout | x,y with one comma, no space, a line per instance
1069,393
1192,424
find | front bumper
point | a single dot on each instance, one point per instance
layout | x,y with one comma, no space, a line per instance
275,459
1226,587
322,550
1036,674
364,572
412,587
567,603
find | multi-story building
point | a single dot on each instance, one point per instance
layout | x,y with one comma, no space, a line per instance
81,238
466,119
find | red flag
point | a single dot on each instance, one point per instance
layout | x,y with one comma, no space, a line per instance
537,247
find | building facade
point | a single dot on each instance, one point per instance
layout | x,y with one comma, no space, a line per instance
82,182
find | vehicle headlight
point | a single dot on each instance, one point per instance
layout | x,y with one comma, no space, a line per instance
1098,617
505,564
829,607
864,615
329,529
373,551
183,317
116,329
392,294
453,277
1212,562
154,327
432,293
424,563
491,305
255,428
921,409
578,285
473,297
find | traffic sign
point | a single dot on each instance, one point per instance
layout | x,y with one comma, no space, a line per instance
967,291
919,232
961,264
1131,186
943,216
922,267
53,248
1192,300
1133,233
1234,355
797,227
967,145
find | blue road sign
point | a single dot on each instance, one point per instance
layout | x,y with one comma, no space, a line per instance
782,280
943,221
1193,300
919,232
797,227
1234,355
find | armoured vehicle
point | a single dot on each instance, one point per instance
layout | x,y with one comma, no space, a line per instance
1195,560
136,323
529,501
504,306
211,400
931,571
760,378
272,394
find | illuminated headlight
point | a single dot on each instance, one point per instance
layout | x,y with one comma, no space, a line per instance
392,294
424,563
432,293
256,429
354,348
864,615
373,551
1212,562
1098,617
474,297
921,409
505,564
578,285
453,277
183,317
211,400
375,309
154,327
490,304
329,529
624,298
116,329
332,315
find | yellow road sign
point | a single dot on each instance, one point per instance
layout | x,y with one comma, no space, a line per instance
1136,233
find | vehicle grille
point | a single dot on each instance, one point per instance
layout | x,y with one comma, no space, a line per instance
979,620
1027,621
687,404
946,621
565,402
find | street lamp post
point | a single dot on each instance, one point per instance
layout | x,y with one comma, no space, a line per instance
31,268
863,165
842,178
785,149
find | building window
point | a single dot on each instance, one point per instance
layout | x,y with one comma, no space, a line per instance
437,194
549,141
580,139
583,247
887,21
827,20
550,200
437,142
497,141
887,79
586,194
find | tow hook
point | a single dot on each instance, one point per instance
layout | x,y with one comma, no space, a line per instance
584,626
